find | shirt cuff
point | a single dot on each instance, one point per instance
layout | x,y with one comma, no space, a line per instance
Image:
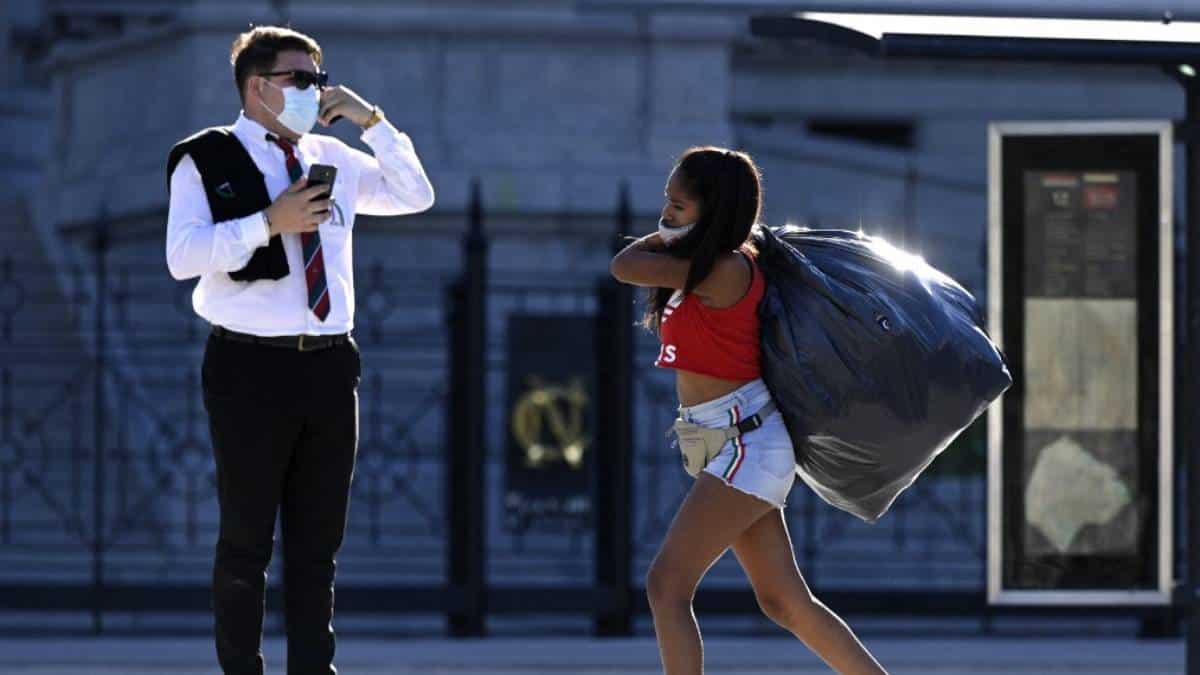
254,232
381,132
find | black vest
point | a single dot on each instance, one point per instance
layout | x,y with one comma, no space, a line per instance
235,188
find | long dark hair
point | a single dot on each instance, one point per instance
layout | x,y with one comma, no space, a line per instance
728,186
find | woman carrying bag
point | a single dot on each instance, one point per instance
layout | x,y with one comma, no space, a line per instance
705,288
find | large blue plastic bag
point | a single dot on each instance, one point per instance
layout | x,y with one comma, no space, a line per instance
876,360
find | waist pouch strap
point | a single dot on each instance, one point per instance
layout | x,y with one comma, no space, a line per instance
699,445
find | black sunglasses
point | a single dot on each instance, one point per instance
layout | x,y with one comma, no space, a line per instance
303,79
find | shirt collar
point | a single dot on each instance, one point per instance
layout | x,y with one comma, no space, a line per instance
253,132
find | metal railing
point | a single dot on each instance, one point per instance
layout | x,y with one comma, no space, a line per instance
107,498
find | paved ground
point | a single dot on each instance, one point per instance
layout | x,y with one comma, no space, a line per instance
509,656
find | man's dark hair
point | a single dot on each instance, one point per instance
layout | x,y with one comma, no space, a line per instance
255,51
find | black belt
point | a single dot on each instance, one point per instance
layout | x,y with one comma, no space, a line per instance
757,419
303,343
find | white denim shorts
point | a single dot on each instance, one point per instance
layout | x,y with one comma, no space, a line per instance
760,463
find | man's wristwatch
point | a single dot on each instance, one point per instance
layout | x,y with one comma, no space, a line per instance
376,116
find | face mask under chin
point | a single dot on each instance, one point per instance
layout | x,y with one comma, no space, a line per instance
670,234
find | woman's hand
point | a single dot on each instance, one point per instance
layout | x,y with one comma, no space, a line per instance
651,242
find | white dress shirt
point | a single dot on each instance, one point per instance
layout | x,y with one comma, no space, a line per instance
391,183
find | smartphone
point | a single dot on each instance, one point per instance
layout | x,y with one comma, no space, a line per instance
322,174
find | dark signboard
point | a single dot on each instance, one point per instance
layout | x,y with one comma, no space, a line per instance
551,420
1080,299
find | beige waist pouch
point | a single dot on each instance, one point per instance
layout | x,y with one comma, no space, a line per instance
699,445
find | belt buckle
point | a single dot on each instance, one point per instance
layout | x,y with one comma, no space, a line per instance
301,344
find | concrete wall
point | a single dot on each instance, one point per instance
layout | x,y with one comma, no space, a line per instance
549,108
939,185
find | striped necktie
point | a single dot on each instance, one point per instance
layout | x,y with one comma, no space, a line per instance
314,261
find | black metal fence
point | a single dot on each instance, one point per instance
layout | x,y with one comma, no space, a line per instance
107,499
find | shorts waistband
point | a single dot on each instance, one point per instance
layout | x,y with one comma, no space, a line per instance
720,412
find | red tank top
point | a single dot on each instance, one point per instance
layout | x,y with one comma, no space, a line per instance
719,342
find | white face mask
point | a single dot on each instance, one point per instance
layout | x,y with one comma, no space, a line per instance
669,234
300,108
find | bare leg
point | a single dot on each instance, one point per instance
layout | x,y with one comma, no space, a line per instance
765,552
708,522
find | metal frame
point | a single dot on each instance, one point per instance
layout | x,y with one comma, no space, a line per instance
1067,9
1166,338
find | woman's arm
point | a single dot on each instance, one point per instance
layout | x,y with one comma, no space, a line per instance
642,263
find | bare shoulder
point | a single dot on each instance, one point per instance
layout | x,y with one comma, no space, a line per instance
728,282
734,267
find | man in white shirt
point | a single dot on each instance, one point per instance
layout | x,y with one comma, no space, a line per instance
281,370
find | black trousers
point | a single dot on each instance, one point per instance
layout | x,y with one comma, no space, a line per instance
284,429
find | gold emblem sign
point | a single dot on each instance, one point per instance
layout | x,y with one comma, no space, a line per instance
558,410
